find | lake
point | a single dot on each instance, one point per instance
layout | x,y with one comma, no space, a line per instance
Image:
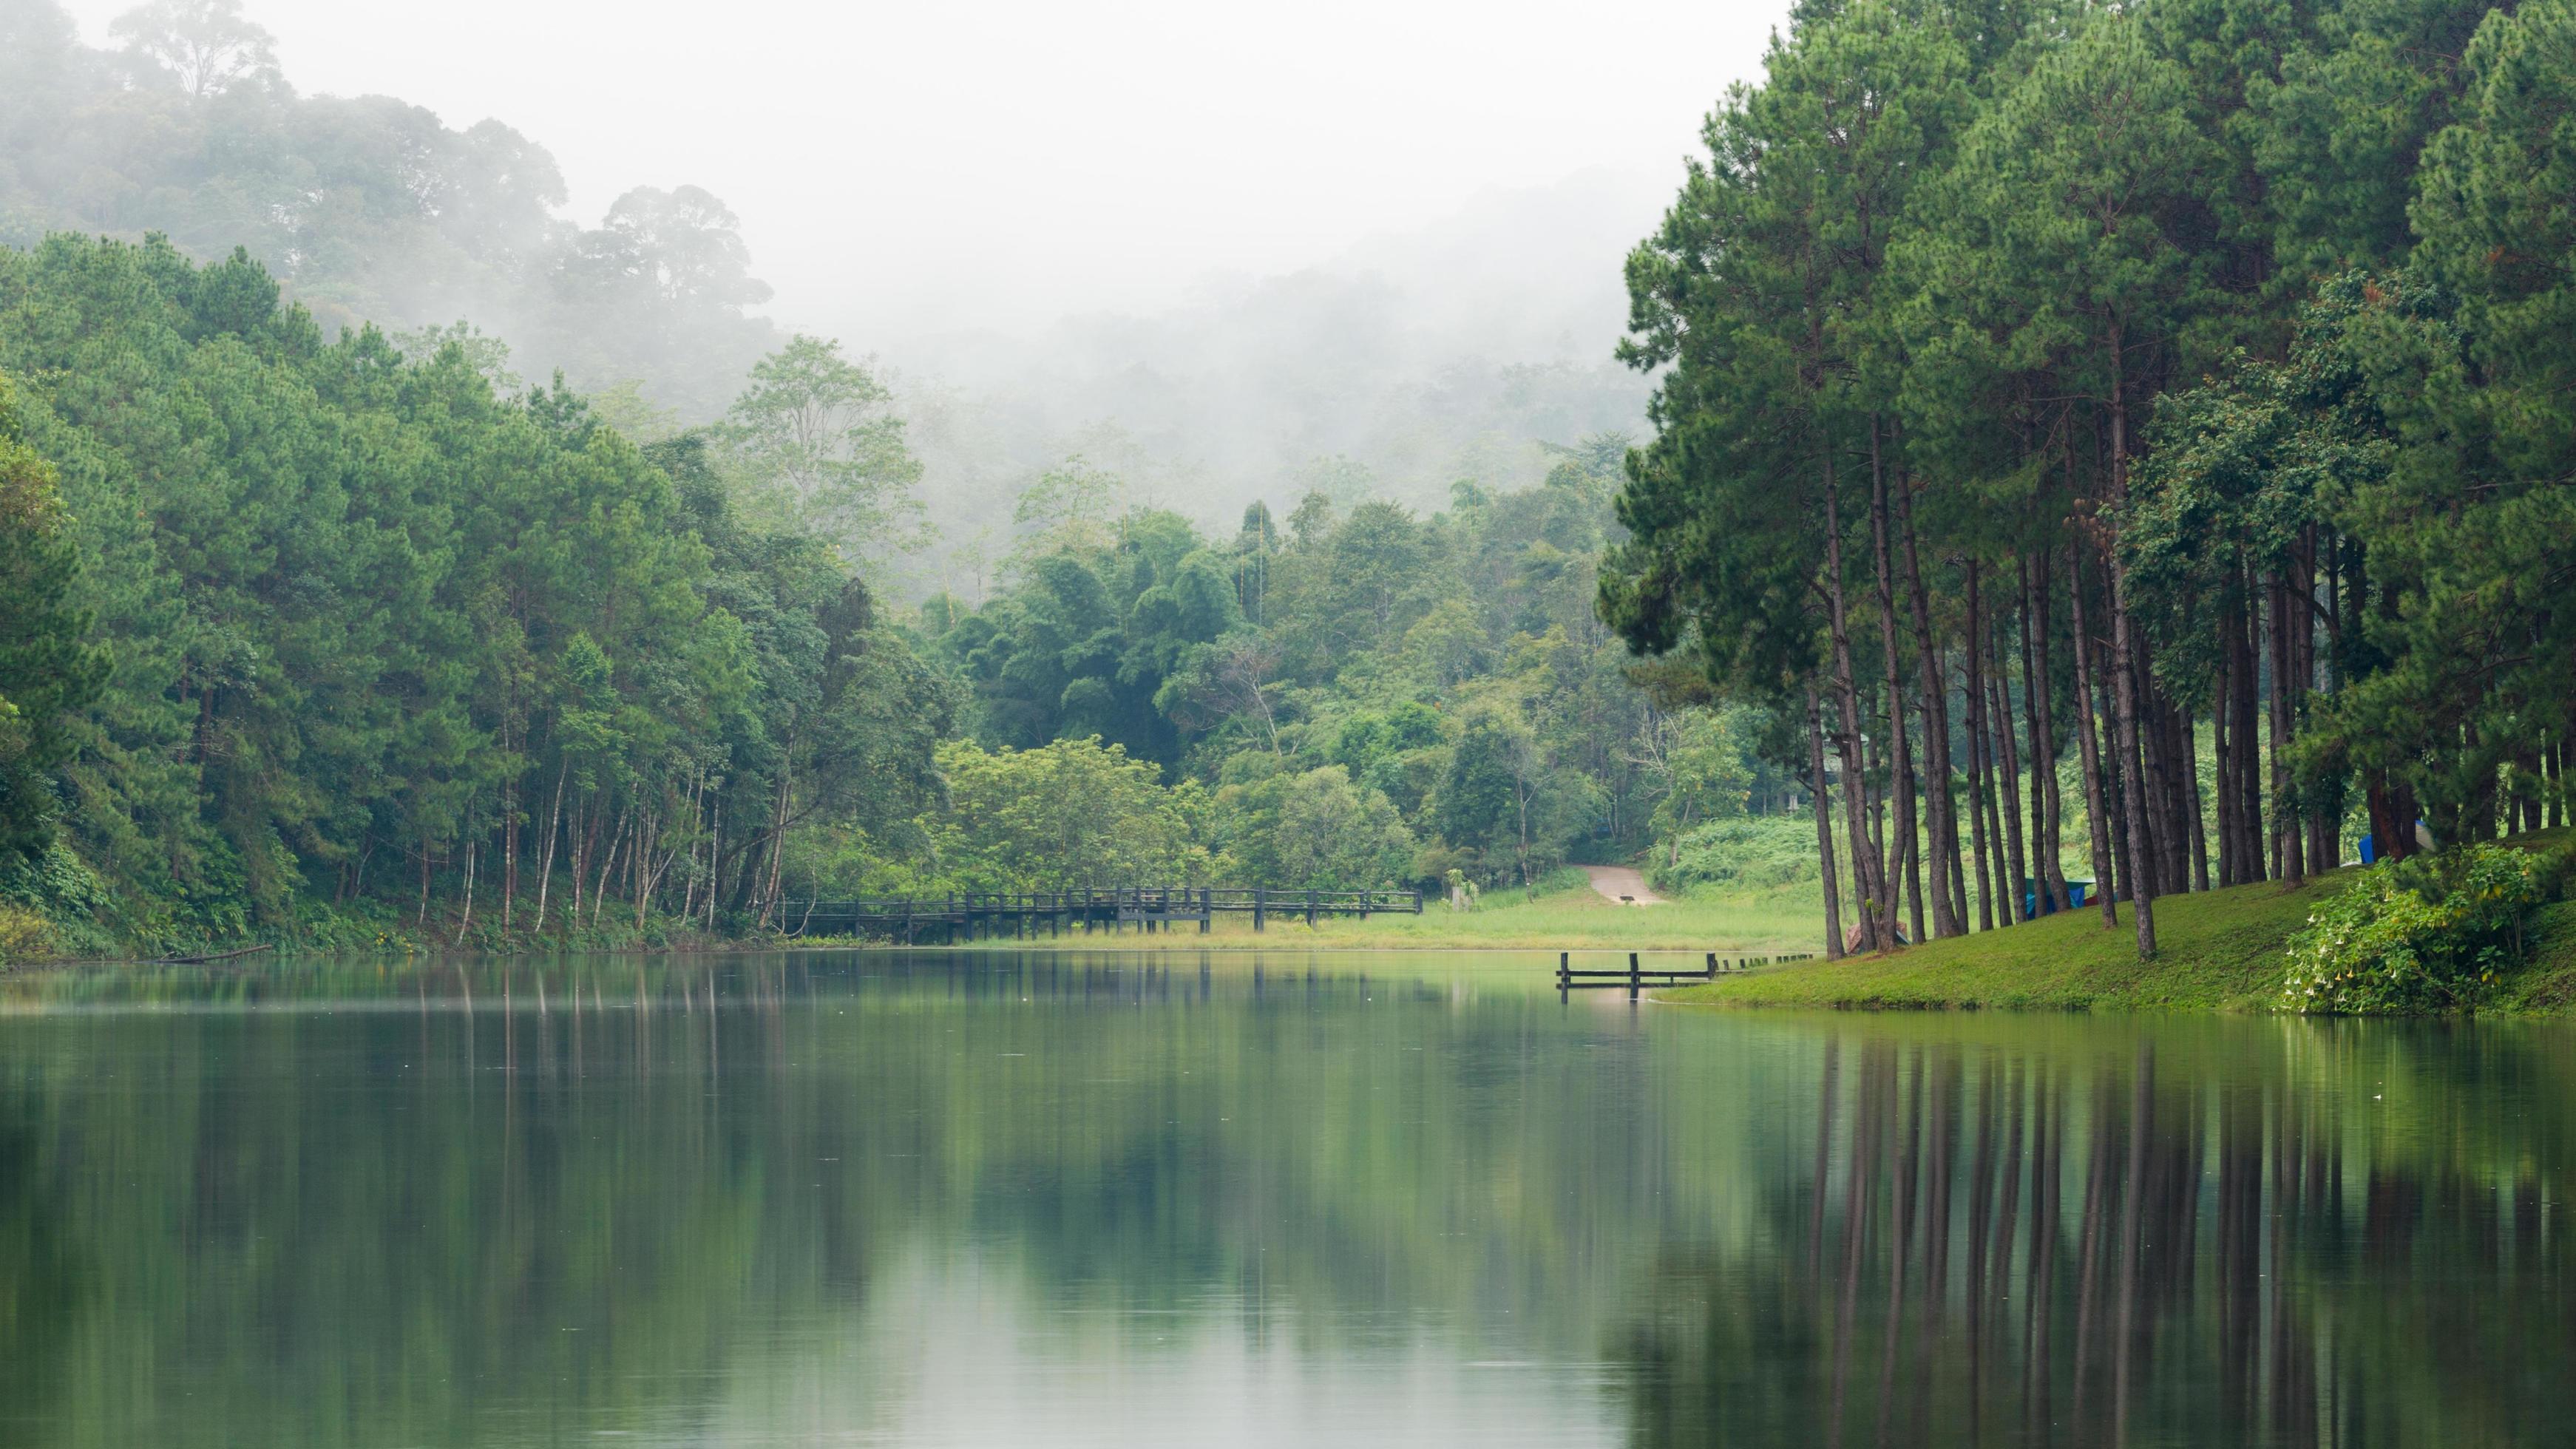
1106,1199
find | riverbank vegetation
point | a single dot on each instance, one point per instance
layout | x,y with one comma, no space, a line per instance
2484,929
2162,405
2114,447
2219,950
341,643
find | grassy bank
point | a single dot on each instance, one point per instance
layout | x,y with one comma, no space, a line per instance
1563,914
2216,951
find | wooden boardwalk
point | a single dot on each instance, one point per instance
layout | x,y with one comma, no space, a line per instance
1636,978
1040,915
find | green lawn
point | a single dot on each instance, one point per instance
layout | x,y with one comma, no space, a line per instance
1559,916
2547,986
2221,950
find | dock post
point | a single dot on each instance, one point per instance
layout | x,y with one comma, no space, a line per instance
1633,982
1260,906
1712,965
1207,910
1311,916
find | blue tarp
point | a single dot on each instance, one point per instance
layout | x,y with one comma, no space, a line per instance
2034,903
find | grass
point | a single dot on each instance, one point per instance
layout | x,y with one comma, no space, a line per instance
2216,951
2546,986
1579,918
1561,915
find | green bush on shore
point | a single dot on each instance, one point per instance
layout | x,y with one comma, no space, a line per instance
2431,933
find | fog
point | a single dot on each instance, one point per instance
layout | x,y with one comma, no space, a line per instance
1221,247
909,169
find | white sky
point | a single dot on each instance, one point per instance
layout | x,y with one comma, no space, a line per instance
904,168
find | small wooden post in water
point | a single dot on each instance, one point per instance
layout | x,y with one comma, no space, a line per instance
1712,965
1633,983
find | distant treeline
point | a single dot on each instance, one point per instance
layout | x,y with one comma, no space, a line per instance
373,623
1355,697
330,638
369,208
2181,387
375,209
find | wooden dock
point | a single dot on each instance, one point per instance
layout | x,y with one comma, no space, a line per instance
1043,915
1636,978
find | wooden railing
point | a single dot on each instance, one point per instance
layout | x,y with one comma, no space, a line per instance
1022,914
1635,978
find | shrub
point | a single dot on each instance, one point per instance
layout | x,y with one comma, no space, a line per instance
24,935
2425,934
1757,852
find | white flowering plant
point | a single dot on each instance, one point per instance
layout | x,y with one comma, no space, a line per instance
2426,934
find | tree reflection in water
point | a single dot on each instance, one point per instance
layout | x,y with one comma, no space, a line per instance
2025,1247
1148,1201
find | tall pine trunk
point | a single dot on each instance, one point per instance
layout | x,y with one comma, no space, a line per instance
2049,875
2245,738
2127,654
554,827
2222,712
2008,771
1941,806
1824,827
1978,784
2197,805
1900,753
1869,877
2287,864
2097,819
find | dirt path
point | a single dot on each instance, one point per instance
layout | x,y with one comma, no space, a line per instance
1616,881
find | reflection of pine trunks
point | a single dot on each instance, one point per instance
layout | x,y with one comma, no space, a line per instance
1949,1289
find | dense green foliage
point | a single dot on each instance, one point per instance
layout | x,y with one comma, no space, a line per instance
48,669
1373,698
1062,816
2063,384
2427,934
376,622
398,650
1743,853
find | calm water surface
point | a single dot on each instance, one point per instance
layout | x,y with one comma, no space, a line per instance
1068,1199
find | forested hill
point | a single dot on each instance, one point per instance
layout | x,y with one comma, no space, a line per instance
326,640
369,208
1388,371
381,633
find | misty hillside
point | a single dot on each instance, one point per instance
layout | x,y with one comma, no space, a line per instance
1412,361
368,208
